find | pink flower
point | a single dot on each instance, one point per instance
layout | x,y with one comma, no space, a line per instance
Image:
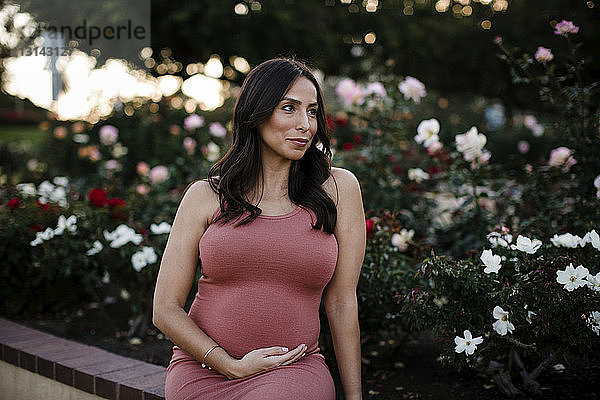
523,146
108,135
216,129
60,132
158,174
349,91
142,168
78,127
543,54
189,145
193,121
142,189
434,147
562,157
113,165
565,27
413,89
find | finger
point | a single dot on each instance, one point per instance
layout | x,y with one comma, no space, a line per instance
291,356
275,351
296,358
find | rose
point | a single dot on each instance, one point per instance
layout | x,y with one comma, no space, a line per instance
98,197
349,91
564,28
13,203
193,121
158,174
216,129
413,89
543,54
142,168
562,157
108,135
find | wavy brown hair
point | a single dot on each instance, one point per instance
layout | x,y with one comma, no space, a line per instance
239,171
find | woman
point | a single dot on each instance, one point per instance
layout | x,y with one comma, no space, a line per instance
277,230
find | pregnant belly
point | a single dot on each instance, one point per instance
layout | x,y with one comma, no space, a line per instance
250,319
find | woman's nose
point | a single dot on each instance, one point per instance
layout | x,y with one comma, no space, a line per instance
303,121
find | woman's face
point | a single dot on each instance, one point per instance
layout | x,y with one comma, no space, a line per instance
288,133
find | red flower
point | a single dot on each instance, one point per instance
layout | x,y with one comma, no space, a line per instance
348,146
117,208
45,206
36,228
339,121
13,203
357,138
370,227
115,202
98,197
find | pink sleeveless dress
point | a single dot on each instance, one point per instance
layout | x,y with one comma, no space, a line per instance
261,286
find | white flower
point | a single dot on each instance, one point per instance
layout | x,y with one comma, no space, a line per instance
37,240
26,189
591,237
529,315
413,89
150,254
45,189
566,240
594,321
96,248
471,145
524,244
572,278
106,278
491,261
593,282
402,239
211,151
61,181
138,260
468,344
502,325
597,182
66,223
417,175
164,227
122,235
498,239
427,132
47,234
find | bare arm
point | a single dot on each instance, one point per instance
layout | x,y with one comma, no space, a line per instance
341,305
175,278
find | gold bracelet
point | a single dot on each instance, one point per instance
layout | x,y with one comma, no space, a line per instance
206,354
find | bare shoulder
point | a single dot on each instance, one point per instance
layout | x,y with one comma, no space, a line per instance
341,184
200,201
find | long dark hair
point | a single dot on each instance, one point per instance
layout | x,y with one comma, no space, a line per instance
240,169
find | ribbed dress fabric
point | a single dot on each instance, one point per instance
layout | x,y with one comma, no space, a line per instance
261,286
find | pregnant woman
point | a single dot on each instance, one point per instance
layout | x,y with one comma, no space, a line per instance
277,229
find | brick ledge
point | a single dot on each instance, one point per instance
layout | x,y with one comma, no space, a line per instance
84,367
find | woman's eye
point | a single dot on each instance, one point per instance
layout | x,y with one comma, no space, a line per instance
312,111
288,107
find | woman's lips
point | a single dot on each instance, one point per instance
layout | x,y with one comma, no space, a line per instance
300,143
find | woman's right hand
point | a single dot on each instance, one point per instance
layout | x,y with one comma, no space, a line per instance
263,359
